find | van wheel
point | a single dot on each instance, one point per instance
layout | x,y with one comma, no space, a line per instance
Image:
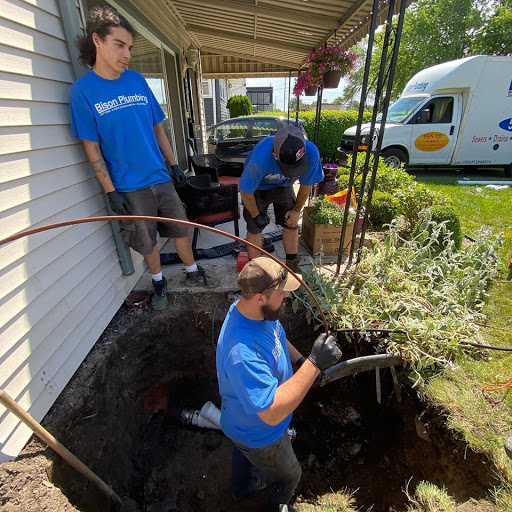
508,170
394,157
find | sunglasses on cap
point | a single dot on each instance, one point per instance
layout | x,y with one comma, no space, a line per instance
281,278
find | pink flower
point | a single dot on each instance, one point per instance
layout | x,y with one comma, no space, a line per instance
329,59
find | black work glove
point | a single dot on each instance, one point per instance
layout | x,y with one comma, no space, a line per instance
261,220
325,352
177,175
119,203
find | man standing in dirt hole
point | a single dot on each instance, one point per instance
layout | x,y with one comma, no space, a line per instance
119,120
268,176
258,387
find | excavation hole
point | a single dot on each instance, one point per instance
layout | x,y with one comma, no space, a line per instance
118,414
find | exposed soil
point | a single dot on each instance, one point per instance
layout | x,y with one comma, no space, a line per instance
118,415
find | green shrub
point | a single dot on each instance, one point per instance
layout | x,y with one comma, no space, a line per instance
416,198
439,214
333,124
343,182
384,208
239,105
388,178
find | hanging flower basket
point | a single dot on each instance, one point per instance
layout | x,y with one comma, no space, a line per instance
323,62
307,84
311,90
332,79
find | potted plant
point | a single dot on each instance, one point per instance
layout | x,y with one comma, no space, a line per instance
329,185
329,65
322,224
330,171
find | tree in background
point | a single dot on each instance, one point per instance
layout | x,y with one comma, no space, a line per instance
239,105
293,103
337,101
437,31
496,36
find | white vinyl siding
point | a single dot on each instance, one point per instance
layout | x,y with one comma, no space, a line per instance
58,289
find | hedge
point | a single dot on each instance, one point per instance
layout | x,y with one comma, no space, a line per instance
333,124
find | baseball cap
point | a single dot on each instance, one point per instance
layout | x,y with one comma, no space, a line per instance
262,274
290,148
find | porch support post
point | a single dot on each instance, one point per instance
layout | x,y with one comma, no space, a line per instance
364,88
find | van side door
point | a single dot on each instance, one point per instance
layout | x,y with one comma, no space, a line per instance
434,130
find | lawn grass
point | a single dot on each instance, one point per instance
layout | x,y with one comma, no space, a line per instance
483,417
478,206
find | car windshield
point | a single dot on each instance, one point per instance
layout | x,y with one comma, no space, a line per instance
402,108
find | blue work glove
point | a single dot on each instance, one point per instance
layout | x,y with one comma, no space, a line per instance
119,203
325,352
261,220
177,175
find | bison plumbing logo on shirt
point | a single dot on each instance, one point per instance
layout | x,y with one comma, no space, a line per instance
122,101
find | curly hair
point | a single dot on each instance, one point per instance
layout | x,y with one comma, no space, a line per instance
101,19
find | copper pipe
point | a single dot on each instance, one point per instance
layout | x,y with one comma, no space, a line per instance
109,218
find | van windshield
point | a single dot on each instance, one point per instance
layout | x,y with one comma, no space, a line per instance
400,110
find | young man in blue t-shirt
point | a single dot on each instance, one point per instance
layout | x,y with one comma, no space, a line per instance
258,388
268,176
119,121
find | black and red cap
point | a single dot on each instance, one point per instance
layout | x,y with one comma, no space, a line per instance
290,149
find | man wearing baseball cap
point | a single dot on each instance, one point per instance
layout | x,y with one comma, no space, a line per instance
269,173
258,387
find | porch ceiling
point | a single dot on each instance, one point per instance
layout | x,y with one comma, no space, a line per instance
251,38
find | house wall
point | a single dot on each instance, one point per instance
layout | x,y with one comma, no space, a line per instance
58,289
208,111
222,100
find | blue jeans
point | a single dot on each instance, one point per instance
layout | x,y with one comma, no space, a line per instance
276,464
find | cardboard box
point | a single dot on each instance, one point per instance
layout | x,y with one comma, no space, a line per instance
316,235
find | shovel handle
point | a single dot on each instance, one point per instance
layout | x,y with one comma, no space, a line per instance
55,445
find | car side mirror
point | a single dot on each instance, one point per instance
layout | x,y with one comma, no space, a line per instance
212,140
423,116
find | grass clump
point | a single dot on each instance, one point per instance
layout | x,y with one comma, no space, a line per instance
430,498
341,501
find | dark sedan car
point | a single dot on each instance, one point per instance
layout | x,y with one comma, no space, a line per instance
233,139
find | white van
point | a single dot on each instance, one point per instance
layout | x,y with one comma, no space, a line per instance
454,114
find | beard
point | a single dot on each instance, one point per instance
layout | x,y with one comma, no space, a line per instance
273,314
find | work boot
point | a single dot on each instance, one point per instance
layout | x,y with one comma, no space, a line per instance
255,484
294,265
199,278
159,300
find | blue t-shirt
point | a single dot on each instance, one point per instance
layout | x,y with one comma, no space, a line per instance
120,114
252,361
262,171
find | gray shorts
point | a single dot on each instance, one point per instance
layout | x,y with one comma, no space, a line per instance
157,201
283,199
